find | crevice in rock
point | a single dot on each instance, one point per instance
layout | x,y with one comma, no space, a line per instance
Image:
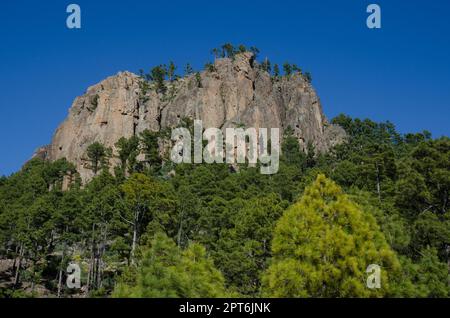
134,128
252,61
254,89
158,119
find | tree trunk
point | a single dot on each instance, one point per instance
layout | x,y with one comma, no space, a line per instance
15,259
102,249
99,273
19,266
378,182
88,281
135,230
133,245
91,276
94,272
60,273
59,281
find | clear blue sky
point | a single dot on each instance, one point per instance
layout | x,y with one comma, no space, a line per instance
400,73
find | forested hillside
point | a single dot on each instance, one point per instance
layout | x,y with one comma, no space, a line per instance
154,229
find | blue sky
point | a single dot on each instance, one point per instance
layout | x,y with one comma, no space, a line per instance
399,73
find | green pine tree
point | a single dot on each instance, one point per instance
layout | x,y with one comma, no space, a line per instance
323,245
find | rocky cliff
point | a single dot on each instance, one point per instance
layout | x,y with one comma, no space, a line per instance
233,92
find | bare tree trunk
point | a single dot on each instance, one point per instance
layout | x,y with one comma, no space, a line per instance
91,276
16,252
133,245
59,281
19,266
135,229
102,249
94,272
378,182
60,273
99,272
88,281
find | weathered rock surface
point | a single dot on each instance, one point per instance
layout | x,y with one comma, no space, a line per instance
237,92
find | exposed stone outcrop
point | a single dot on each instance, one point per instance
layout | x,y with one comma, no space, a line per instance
236,92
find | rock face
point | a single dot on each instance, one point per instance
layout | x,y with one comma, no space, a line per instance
235,92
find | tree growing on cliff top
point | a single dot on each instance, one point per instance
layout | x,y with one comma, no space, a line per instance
308,77
171,71
188,70
265,65
255,51
287,68
157,75
276,71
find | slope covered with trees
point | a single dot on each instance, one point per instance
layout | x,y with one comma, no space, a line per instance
205,230
150,228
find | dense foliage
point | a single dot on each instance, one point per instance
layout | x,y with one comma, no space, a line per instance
322,246
148,228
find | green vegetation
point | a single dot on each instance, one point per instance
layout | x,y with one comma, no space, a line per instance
154,229
98,156
266,66
308,77
327,240
198,80
229,50
165,270
210,67
287,68
171,71
157,75
161,77
188,70
276,71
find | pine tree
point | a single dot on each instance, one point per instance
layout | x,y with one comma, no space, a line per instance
255,51
198,79
276,71
297,69
308,77
167,271
158,75
98,156
287,68
150,148
188,70
171,71
149,205
128,150
215,52
322,246
228,50
265,65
